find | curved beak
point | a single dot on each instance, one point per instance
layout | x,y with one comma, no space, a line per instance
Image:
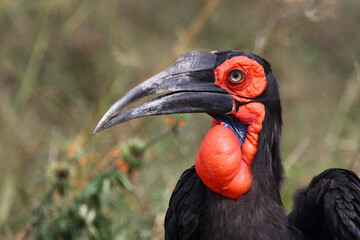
188,87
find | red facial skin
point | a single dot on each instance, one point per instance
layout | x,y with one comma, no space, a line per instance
222,163
253,84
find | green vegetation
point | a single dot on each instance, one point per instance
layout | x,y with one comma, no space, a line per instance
63,63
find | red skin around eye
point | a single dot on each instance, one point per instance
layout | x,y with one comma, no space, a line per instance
254,83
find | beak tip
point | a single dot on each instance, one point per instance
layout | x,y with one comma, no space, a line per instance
101,124
99,127
96,130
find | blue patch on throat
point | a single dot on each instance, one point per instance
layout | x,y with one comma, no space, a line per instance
235,125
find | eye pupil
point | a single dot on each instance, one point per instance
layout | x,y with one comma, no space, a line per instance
236,75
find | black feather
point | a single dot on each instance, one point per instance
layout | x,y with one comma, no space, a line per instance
328,208
185,207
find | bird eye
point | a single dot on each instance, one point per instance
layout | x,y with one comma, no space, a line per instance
236,75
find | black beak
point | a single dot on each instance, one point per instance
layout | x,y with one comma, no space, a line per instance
188,86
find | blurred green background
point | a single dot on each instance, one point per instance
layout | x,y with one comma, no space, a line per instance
63,63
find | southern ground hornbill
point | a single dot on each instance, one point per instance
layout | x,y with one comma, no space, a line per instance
233,191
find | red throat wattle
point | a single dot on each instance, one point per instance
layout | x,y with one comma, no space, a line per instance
223,164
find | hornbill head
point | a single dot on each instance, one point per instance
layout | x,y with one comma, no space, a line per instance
236,88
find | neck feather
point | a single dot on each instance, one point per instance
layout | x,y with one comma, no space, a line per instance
267,169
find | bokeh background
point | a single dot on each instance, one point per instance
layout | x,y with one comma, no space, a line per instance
63,63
